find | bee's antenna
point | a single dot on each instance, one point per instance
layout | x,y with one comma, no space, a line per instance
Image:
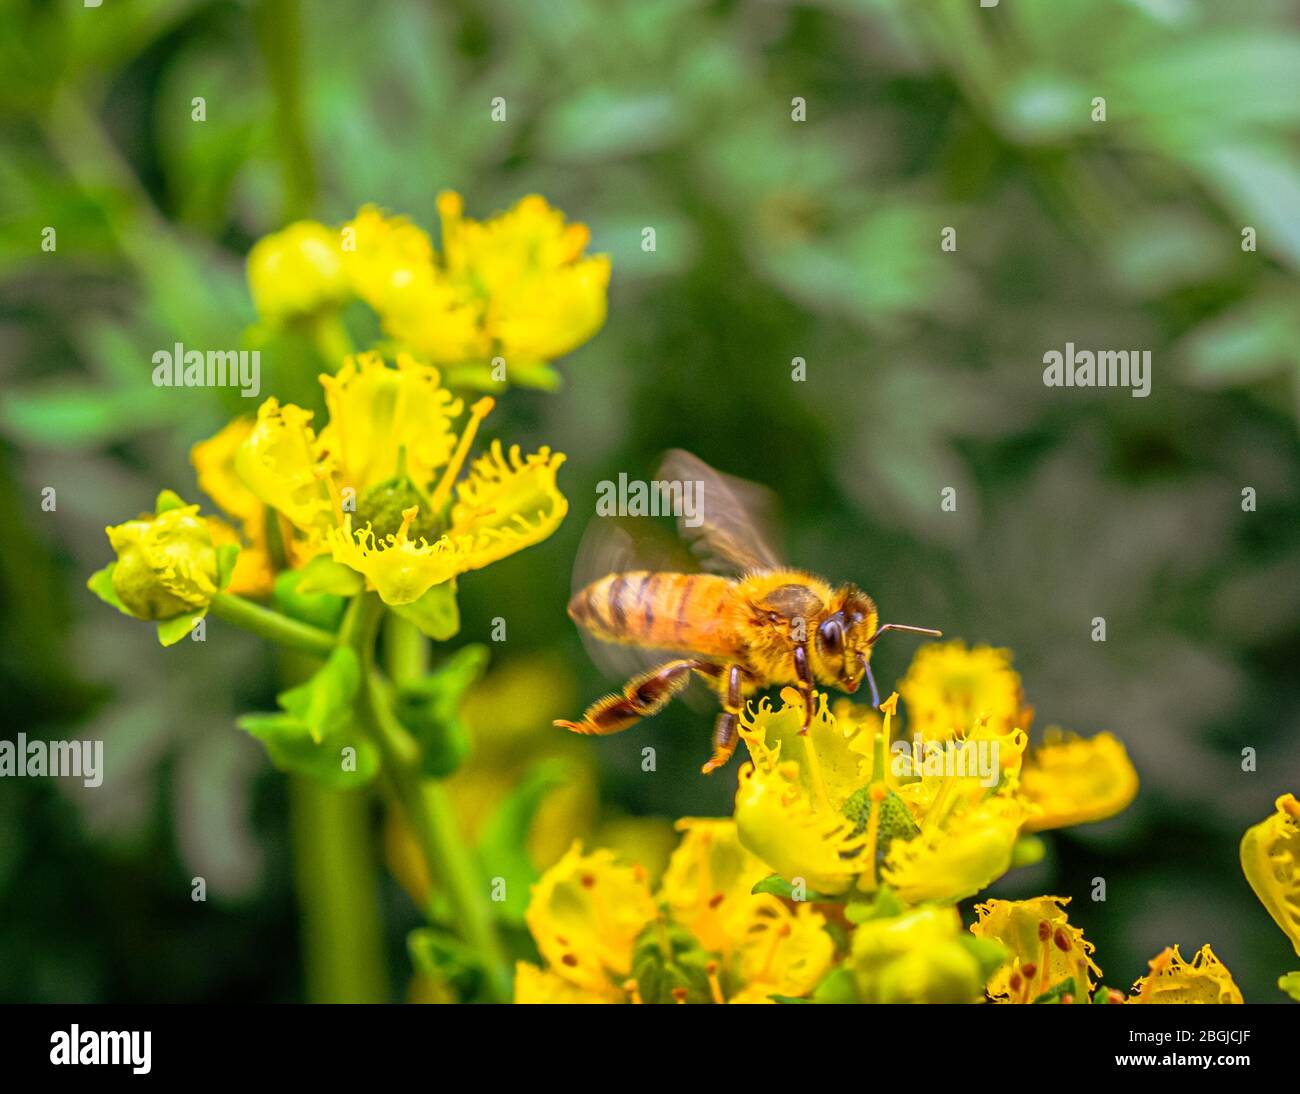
871,681
903,627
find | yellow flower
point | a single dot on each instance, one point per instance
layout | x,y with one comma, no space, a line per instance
783,952
539,297
297,271
389,436
166,564
515,286
707,886
393,268
1045,949
377,414
1204,979
1270,858
503,506
585,915
214,460
791,797
918,957
278,463
1073,780
764,945
397,567
948,688
957,855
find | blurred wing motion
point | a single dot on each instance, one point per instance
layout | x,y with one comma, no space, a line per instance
619,545
732,530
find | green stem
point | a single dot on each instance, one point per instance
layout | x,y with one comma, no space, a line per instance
337,877
424,802
272,625
279,32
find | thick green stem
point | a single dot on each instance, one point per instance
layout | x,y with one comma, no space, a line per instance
423,801
272,625
337,875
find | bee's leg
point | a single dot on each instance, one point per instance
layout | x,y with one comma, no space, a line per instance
726,731
803,674
642,696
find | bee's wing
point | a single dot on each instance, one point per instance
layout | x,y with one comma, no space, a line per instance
732,528
616,545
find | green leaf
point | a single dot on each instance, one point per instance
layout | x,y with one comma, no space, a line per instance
324,703
430,709
168,500
101,584
448,961
990,953
883,904
227,556
315,734
1054,993
539,376
837,987
1028,851
503,846
666,959
171,631
323,575
341,760
778,886
323,610
435,614
1290,983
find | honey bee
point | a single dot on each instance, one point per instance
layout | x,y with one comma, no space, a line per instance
756,625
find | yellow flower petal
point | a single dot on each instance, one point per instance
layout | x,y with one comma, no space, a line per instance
393,269
166,564
376,412
791,800
1204,979
506,504
1075,780
534,985
399,568
1270,858
708,881
540,297
214,460
970,851
1045,949
784,952
253,574
776,821
585,915
297,271
948,688
277,462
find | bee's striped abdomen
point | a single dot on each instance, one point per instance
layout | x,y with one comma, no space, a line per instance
660,610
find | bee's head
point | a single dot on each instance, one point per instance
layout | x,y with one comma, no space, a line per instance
846,636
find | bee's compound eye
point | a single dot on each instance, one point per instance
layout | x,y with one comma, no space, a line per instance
831,634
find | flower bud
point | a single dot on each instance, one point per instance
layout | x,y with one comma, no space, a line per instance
296,272
166,564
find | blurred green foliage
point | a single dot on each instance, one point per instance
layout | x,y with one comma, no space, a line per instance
775,240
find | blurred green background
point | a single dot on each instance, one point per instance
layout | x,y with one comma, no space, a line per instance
776,239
